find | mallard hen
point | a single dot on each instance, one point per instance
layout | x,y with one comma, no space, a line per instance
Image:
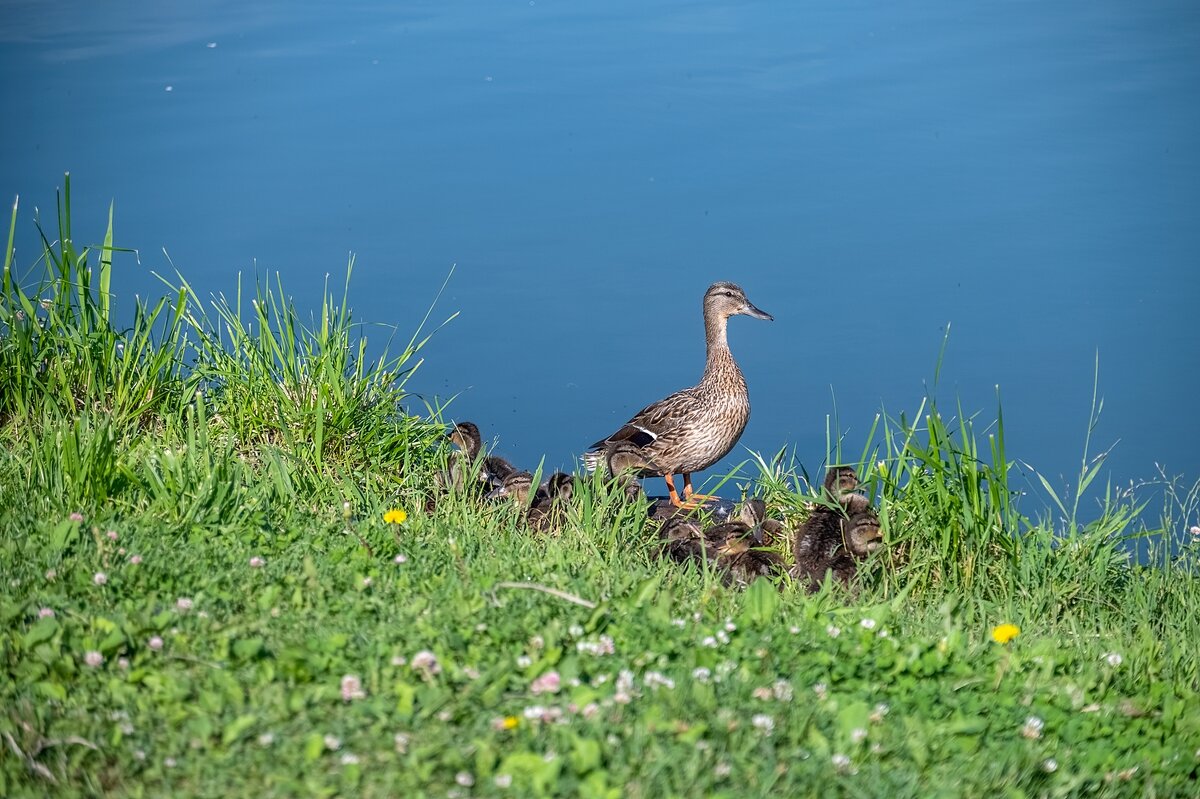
694,428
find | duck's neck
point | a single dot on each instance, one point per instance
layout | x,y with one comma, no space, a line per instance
719,358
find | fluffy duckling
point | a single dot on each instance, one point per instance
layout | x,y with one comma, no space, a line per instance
682,540
741,544
516,485
626,461
492,471
550,501
834,539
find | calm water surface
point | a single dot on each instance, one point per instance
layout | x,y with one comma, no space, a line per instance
1026,172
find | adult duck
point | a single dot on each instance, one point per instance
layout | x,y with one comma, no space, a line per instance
694,428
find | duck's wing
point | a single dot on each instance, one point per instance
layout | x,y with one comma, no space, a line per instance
655,419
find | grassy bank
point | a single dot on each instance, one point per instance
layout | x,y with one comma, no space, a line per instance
202,597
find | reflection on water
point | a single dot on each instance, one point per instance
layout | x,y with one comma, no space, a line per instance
869,174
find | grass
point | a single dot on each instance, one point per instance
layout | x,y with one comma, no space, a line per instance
202,598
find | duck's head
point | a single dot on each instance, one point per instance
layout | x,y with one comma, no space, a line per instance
466,436
625,456
561,486
517,485
724,300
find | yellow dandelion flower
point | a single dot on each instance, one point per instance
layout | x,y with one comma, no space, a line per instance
395,516
1003,633
511,722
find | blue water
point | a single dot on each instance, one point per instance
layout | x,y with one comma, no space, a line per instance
1026,172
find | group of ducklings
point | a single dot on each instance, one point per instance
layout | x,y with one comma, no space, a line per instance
841,529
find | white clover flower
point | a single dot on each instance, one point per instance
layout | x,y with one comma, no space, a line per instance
349,759
183,604
654,679
701,674
524,662
401,740
427,662
834,631
840,762
821,690
1049,765
465,779
763,723
868,624
1032,728
782,690
1113,659
879,711
858,735
333,743
93,658
99,578
503,780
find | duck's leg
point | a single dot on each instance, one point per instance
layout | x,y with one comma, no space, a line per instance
690,498
672,494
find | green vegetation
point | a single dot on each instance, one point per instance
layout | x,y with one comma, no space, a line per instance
202,597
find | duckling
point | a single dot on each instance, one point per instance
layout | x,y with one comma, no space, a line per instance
625,460
694,428
835,539
549,503
682,540
517,485
492,471
741,544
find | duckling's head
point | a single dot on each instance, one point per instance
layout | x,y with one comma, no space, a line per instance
753,511
727,299
625,456
466,437
560,486
861,530
517,485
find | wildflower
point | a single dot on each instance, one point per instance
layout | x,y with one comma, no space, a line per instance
333,743
1032,728
709,641
427,662
722,769
465,779
135,559
821,690
794,630
123,664
395,516
548,683
349,759
170,762
100,578
537,642
505,723
45,613
257,563
366,582
352,688
76,516
401,558
524,661
471,673
858,735
535,712
503,780
591,710
868,624
183,604
701,674
575,631
51,574
401,740
111,535
833,631
879,712
762,693
782,690
840,762
93,658
399,660
1003,633
653,679
1195,531
155,643
763,723
1049,765
1113,659
266,739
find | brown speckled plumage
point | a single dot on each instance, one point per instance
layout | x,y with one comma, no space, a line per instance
694,428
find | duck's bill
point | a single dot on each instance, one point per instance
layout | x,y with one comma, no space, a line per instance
757,313
496,493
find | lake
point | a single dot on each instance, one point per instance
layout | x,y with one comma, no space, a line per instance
1027,173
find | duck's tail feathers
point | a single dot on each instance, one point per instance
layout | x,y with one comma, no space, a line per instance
592,460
